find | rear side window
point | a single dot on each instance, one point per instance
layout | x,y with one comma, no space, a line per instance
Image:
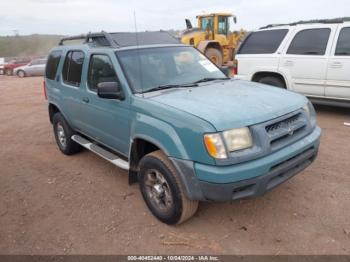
72,68
52,64
310,42
343,45
100,70
263,42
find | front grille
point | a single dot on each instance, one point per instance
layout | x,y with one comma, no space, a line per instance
282,124
285,130
273,135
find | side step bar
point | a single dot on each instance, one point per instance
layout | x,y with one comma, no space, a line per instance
114,159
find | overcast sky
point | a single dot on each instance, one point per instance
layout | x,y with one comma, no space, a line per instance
81,16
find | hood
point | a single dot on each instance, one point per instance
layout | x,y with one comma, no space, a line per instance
232,104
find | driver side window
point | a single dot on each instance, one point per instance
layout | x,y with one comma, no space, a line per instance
223,25
207,23
100,70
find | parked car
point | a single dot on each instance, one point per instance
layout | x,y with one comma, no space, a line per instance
2,63
10,66
168,115
310,58
36,67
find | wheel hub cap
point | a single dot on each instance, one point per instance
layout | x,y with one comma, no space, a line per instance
61,135
158,190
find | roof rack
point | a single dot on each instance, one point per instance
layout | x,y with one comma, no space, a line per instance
319,21
102,38
123,39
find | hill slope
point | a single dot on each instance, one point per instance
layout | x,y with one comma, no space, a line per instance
29,45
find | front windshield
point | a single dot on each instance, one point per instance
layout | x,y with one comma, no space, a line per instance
149,68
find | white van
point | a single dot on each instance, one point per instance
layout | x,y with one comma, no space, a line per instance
312,58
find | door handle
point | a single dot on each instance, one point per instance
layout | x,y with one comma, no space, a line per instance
288,63
86,100
336,65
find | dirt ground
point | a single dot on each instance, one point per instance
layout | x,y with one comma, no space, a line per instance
54,204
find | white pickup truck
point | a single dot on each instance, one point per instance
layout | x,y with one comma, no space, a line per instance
311,57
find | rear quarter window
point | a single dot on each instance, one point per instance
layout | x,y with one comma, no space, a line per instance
310,42
52,64
343,44
263,42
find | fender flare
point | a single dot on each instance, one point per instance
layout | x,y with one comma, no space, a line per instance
286,80
149,128
59,109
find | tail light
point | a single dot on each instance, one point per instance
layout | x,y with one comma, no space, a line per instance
44,89
235,67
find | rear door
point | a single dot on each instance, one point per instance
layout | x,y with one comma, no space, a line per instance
338,74
305,60
70,86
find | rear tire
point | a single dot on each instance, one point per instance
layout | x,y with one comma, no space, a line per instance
214,55
272,81
8,72
63,135
163,191
21,74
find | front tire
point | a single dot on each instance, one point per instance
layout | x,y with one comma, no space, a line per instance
272,81
214,55
63,135
162,190
21,74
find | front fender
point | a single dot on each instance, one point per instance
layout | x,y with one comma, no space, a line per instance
160,134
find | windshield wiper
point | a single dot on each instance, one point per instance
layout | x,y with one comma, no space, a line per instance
162,87
207,79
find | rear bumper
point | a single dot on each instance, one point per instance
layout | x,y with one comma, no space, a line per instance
248,179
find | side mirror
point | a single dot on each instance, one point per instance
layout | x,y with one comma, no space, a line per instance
235,19
110,90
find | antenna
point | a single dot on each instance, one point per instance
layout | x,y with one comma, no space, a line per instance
138,54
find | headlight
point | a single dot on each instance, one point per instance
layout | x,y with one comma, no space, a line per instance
310,112
306,109
215,146
237,139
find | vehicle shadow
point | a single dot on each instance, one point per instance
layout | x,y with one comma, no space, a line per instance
332,109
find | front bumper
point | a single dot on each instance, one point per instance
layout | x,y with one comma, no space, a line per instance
249,179
259,185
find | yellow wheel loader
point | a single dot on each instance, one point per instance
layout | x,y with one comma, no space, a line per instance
213,37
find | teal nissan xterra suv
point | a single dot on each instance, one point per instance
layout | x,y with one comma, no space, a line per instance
183,130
